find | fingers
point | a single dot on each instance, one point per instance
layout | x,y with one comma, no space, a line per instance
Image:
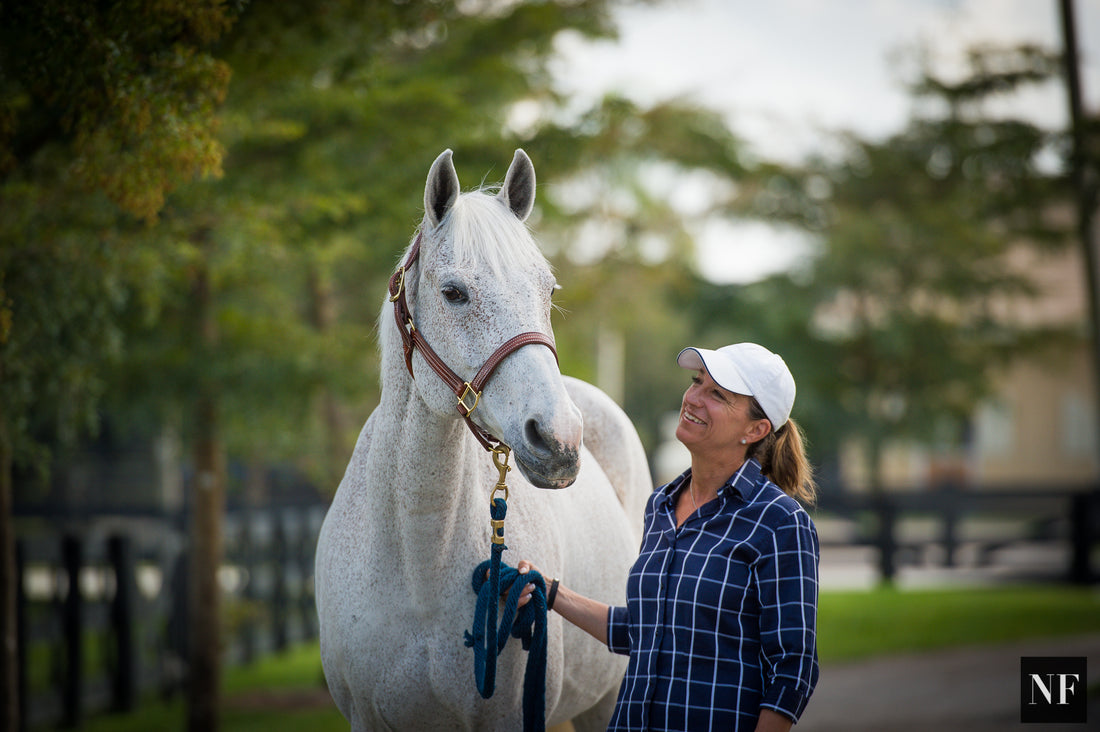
523,567
525,596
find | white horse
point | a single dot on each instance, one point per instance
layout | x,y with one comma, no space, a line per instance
410,520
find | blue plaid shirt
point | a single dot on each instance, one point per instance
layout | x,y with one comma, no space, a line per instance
721,612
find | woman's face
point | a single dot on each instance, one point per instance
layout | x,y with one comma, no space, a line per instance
713,419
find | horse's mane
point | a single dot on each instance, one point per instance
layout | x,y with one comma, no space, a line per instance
483,231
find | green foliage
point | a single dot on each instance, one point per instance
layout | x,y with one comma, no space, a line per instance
103,109
904,306
321,141
334,113
330,126
128,87
334,116
60,287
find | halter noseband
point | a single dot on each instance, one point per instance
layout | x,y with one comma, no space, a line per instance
465,391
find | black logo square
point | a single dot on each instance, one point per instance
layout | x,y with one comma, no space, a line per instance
1053,689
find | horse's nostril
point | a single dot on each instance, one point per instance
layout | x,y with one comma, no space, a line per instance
533,433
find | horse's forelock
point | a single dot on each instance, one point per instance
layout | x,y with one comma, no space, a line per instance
485,232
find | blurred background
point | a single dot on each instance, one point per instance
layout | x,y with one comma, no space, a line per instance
201,202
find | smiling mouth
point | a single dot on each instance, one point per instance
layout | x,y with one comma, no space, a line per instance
689,417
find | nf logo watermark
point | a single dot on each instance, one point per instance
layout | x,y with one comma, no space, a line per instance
1053,689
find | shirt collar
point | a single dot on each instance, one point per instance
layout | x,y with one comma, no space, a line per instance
746,482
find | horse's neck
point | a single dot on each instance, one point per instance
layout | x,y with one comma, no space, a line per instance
427,472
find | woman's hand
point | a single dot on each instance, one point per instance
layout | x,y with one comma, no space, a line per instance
588,615
523,568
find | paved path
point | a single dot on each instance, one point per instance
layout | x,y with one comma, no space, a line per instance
976,690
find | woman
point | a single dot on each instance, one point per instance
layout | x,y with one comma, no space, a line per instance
721,605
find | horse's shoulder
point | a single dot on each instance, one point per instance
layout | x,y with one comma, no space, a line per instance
612,439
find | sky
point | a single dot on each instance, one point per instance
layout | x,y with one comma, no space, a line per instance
787,74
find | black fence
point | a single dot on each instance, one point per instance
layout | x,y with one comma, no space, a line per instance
1067,516
102,604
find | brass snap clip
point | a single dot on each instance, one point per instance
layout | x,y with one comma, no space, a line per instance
500,459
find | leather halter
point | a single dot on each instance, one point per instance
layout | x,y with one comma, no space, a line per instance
464,390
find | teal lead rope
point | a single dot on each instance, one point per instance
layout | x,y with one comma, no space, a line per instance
527,623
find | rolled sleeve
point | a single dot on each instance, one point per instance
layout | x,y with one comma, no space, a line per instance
618,630
788,587
785,700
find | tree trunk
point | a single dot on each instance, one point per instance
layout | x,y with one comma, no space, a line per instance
208,507
1084,180
9,639
887,514
322,316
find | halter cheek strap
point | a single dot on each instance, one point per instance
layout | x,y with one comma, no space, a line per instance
467,392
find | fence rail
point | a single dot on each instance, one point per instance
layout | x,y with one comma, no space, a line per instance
1070,515
102,604
102,601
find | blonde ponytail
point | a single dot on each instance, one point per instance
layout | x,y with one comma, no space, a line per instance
782,458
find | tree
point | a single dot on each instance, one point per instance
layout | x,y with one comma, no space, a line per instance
102,111
917,263
900,319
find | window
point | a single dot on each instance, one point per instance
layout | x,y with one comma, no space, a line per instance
1078,425
993,428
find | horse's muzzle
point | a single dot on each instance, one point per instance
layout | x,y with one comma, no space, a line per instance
554,471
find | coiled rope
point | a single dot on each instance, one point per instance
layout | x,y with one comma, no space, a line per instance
527,624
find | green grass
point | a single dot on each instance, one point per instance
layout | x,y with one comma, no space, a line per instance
254,700
862,624
851,626
296,669
171,718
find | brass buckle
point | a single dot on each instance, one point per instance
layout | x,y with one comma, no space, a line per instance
400,285
462,399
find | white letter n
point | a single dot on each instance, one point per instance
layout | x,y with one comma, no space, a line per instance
1045,690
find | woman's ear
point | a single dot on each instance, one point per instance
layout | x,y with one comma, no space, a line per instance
759,429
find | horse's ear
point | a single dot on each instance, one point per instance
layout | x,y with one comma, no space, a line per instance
518,192
441,190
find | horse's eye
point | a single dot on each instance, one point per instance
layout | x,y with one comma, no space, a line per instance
455,295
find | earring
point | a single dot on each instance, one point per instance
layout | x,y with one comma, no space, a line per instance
744,441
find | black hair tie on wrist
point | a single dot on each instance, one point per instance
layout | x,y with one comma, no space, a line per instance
553,593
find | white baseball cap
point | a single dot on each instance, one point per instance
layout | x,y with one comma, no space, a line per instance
749,369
